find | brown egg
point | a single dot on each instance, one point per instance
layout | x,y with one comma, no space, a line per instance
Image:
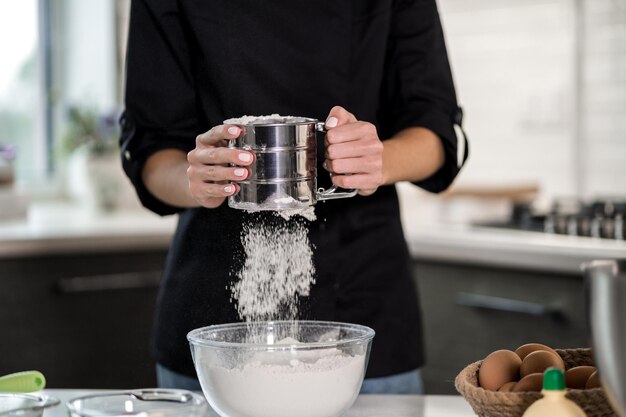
498,368
524,350
539,361
508,387
577,377
593,381
531,382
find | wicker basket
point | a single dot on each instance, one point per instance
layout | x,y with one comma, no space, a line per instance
513,404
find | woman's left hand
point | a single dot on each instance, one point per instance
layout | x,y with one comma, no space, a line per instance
354,152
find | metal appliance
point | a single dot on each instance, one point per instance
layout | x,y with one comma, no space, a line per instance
284,172
602,218
606,282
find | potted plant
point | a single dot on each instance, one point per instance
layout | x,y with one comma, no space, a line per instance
89,153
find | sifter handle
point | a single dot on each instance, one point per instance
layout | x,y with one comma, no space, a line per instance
331,193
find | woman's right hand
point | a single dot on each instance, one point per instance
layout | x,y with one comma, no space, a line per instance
211,177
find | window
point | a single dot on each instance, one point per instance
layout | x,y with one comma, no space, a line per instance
21,118
57,56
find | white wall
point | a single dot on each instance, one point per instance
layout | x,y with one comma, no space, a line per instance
604,75
88,51
515,67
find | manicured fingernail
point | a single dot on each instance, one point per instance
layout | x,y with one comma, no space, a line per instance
240,172
331,122
233,130
229,189
245,157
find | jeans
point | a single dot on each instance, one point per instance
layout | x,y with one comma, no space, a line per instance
404,383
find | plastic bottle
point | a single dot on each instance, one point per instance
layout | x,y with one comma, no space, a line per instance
554,403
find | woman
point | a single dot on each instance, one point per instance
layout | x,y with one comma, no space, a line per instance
375,70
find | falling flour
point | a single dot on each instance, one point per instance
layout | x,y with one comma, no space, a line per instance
275,389
278,267
277,271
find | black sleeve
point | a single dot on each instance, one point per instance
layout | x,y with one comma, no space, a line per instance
418,90
160,102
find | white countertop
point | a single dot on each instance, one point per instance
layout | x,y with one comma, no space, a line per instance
508,248
365,405
52,228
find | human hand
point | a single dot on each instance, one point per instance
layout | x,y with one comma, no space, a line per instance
354,152
209,172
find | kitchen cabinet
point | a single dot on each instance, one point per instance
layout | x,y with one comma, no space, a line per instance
472,310
83,319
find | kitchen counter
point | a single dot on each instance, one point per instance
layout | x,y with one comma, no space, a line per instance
62,228
59,228
365,406
479,245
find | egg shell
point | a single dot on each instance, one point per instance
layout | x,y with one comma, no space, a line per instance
539,361
577,377
528,348
498,368
531,382
593,381
508,387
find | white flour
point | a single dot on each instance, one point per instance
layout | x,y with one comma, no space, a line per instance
244,120
278,269
285,207
324,383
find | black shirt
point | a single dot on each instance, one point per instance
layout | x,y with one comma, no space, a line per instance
192,64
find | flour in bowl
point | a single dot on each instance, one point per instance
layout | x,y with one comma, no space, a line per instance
314,383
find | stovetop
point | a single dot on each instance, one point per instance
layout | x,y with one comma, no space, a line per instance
603,218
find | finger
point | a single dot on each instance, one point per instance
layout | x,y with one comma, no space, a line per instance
214,173
338,116
219,156
216,134
358,181
203,191
363,165
352,132
354,149
366,192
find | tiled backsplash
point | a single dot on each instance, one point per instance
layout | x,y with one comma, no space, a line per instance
533,114
604,105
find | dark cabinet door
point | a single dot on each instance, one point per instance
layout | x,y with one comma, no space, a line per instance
470,311
83,320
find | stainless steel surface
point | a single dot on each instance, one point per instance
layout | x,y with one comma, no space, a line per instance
509,305
284,172
277,195
276,165
607,311
600,218
277,133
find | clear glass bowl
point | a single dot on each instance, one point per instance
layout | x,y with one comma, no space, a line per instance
140,403
281,368
24,405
